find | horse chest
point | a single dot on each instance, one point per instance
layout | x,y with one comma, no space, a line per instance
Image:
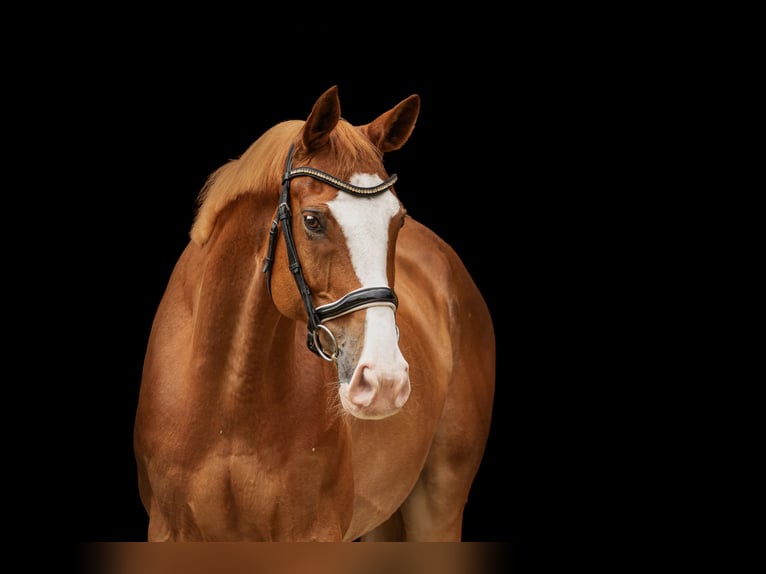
306,496
294,491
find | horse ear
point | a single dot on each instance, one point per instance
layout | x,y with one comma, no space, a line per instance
391,130
322,120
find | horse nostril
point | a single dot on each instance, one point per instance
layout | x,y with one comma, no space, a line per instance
363,390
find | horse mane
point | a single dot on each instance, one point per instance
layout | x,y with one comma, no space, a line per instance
260,168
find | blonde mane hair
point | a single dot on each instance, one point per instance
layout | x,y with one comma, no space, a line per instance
262,165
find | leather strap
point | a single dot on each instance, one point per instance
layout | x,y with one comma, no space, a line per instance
358,299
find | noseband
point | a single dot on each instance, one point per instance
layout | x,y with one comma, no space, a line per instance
353,301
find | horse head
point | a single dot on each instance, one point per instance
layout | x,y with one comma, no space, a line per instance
340,218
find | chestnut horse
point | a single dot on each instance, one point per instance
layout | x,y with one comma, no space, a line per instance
321,366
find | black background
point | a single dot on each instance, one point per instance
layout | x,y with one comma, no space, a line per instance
535,156
135,141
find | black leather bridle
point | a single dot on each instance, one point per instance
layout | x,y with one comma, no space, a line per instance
353,301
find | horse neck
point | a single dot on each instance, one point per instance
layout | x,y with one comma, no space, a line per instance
247,346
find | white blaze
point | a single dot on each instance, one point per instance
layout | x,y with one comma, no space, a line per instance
365,222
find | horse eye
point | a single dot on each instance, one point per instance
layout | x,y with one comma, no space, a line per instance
312,223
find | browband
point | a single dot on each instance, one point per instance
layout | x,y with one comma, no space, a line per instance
339,183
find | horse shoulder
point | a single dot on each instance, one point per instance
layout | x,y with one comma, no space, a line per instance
163,412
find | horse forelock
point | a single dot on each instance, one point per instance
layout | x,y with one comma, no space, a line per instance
347,152
260,168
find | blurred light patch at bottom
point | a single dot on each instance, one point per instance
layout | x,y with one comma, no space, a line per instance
296,558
